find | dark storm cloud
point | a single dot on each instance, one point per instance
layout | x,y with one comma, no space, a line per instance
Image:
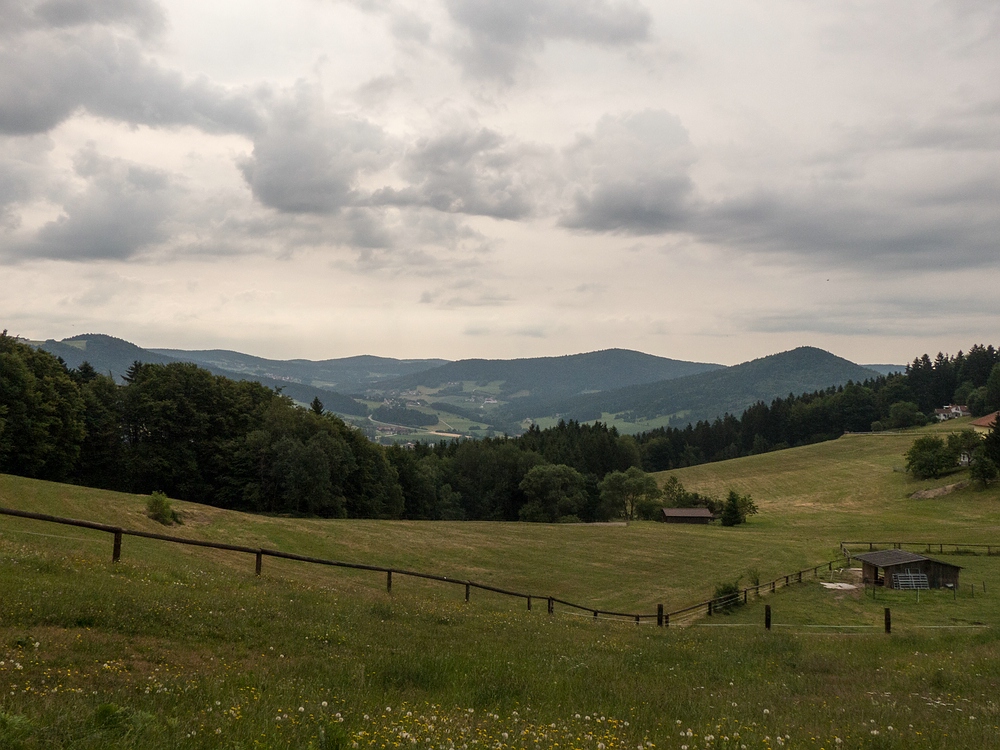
308,160
499,35
631,176
472,171
121,211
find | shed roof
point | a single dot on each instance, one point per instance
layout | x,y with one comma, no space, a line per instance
884,557
888,557
687,513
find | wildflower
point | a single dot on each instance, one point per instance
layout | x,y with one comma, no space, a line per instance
302,709
323,704
766,711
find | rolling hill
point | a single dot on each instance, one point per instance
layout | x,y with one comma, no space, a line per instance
346,375
633,390
731,390
113,356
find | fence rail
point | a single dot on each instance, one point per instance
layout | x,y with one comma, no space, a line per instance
662,617
940,547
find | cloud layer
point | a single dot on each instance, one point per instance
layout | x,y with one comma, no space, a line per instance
468,155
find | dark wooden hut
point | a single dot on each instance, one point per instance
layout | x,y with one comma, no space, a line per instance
896,568
687,515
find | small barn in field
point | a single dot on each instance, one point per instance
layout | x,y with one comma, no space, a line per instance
687,515
897,569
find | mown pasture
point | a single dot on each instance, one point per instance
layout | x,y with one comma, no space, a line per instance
184,647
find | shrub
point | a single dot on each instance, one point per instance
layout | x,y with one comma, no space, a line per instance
158,508
728,596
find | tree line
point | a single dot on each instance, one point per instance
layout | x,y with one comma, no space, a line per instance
180,430
895,401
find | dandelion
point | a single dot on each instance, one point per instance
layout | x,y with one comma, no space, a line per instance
767,711
302,709
323,704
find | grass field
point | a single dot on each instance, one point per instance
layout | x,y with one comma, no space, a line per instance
178,647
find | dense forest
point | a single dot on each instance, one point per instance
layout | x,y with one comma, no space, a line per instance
179,429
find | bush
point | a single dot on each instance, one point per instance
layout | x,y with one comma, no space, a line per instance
728,596
158,508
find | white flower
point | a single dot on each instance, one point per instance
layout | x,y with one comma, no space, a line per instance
767,711
302,709
323,704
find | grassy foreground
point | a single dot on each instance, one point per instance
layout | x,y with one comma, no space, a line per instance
184,648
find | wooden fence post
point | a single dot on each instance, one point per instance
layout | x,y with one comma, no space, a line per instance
552,606
772,585
709,607
388,582
659,615
260,561
116,553
595,614
529,602
746,593
888,621
767,616
468,589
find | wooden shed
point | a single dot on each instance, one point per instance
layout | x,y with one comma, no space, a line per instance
896,568
687,515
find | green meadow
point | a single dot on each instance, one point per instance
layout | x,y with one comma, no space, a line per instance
182,647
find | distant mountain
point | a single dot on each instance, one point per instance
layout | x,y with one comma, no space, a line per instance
886,369
633,387
712,394
347,375
546,378
106,354
110,355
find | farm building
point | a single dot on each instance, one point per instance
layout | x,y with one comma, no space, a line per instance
687,515
985,424
896,568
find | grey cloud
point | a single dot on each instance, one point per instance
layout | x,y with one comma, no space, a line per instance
145,16
22,173
499,35
470,171
46,77
631,176
308,160
122,211
948,227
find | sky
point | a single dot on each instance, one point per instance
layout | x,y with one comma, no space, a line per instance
702,180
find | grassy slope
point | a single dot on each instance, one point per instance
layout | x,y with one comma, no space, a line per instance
195,627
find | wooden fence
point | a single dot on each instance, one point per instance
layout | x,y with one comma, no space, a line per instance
928,547
662,617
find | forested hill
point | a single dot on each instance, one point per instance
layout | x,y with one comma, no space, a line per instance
113,356
556,377
709,395
106,354
346,375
